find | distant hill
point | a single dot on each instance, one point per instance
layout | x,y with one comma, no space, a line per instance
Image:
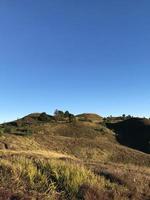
91,117
32,118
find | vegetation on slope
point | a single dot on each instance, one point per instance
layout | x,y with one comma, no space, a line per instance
64,157
48,178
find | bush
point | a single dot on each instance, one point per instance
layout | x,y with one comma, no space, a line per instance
9,129
64,116
23,132
44,117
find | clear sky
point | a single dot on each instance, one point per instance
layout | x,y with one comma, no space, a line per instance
76,55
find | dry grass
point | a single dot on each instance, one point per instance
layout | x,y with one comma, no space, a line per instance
135,178
47,177
71,161
86,142
37,154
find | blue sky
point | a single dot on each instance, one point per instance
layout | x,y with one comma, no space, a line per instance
81,56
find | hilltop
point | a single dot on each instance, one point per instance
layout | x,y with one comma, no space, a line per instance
75,157
91,117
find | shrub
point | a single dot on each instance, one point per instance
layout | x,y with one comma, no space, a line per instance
9,129
23,132
44,117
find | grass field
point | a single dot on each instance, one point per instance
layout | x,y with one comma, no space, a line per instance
78,160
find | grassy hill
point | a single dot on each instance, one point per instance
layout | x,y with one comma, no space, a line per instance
46,157
91,117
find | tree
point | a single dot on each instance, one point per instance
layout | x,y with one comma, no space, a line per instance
56,112
67,114
44,117
71,118
64,116
59,115
123,116
129,117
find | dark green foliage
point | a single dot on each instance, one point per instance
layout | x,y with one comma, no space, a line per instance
23,131
67,114
72,118
59,115
123,116
44,117
64,116
9,129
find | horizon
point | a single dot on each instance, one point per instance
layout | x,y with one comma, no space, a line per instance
78,56
75,114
